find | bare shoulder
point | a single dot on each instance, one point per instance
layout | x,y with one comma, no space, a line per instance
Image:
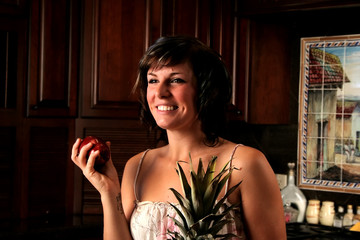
259,183
245,156
252,162
132,164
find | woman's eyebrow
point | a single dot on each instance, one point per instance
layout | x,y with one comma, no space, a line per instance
171,74
152,74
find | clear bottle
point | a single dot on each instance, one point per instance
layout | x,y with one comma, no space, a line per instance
339,217
291,213
356,218
348,217
293,195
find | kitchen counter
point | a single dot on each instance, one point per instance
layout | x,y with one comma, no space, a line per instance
318,232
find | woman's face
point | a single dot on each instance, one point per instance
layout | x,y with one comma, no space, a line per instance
171,95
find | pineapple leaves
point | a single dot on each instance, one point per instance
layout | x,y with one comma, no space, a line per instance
186,207
184,183
199,212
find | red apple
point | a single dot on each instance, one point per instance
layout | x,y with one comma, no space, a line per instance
98,144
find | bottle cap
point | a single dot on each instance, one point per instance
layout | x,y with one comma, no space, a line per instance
340,209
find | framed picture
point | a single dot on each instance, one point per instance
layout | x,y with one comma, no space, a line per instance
329,114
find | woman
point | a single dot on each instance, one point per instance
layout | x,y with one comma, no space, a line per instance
184,89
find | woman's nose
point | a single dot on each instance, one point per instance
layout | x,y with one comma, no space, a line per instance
162,90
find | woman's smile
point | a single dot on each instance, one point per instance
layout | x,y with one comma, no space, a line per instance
165,108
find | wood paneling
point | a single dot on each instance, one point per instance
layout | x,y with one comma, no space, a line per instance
47,171
180,17
114,41
12,68
53,56
7,171
8,69
189,17
269,74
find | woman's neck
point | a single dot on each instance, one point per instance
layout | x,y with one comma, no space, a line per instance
181,144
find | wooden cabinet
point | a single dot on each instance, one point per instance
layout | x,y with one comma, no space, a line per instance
115,37
46,177
12,83
39,45
267,72
53,58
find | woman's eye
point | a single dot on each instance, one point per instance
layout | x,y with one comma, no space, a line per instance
152,81
177,80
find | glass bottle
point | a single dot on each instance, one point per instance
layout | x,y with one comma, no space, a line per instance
348,217
339,217
293,195
291,213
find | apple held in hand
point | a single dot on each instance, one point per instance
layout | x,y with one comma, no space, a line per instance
98,144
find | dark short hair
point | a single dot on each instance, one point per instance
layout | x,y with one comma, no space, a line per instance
213,81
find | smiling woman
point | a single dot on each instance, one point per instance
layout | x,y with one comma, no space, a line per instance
184,89
212,81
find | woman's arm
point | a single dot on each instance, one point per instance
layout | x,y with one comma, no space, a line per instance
115,224
261,198
107,183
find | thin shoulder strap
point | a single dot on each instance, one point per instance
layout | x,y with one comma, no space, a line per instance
137,173
231,158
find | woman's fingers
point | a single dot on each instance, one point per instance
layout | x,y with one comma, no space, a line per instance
89,166
75,147
92,157
79,157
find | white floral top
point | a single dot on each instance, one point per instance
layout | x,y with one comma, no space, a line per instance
152,220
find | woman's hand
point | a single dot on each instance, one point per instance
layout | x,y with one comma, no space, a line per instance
106,180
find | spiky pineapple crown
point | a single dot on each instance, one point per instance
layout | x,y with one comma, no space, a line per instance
199,208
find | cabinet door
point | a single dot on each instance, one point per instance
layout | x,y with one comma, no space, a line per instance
225,35
115,38
53,58
269,76
12,68
186,17
46,171
12,77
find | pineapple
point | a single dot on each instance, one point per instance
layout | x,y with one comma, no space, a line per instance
199,210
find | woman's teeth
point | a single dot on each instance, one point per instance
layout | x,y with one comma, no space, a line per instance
166,108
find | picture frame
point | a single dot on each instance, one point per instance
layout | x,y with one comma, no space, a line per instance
329,114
